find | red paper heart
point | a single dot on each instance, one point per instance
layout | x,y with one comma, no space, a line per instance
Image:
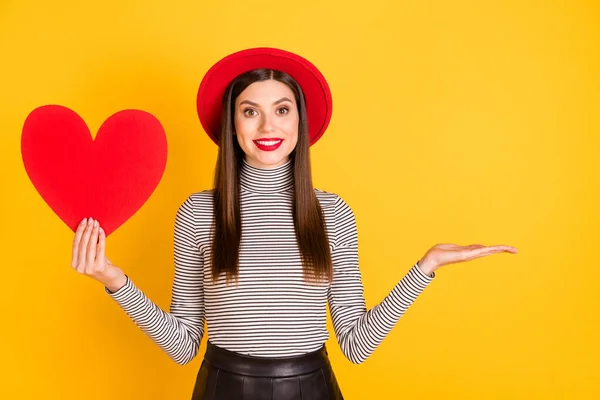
108,178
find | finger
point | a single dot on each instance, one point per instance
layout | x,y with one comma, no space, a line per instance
78,234
448,246
486,251
83,246
452,246
471,247
100,256
92,246
458,248
503,247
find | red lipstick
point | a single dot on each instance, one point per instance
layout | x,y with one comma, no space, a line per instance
268,144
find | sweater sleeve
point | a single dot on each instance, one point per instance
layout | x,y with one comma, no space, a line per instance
357,330
179,331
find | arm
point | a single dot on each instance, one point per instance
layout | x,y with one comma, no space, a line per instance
359,331
180,331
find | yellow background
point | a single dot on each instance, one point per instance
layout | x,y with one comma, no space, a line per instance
454,121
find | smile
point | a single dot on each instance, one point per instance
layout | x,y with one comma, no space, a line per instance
268,144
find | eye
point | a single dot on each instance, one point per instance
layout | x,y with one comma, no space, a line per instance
250,112
283,110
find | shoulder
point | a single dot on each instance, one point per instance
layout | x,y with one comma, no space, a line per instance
198,203
333,202
326,199
202,197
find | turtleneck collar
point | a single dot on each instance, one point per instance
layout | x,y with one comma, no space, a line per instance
262,180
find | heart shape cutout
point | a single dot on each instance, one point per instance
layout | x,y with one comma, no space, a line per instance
108,178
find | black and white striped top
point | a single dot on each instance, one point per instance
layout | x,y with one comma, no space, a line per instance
272,312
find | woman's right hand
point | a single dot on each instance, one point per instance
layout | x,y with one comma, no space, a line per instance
89,258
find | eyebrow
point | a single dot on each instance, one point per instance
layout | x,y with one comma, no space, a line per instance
274,103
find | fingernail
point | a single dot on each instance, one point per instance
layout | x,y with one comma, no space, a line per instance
83,221
95,224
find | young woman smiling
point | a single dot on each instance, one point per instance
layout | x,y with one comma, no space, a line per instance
261,255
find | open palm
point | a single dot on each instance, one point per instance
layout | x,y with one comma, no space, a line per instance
448,253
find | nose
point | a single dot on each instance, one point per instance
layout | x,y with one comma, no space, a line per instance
266,125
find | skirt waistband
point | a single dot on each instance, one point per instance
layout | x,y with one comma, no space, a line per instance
279,367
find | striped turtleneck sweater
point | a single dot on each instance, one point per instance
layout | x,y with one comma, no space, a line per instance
272,312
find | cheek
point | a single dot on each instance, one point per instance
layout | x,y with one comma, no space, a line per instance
243,128
291,126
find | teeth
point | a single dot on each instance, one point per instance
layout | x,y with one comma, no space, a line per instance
269,143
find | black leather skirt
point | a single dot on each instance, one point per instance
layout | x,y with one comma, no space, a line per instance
229,375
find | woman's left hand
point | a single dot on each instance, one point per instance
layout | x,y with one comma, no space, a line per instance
448,253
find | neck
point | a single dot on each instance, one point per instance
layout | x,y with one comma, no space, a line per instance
267,180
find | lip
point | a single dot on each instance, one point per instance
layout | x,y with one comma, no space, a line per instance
268,148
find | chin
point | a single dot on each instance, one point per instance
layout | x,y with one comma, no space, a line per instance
268,162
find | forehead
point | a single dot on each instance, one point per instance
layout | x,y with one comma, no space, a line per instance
266,92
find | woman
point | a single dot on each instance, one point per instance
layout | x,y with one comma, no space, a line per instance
260,255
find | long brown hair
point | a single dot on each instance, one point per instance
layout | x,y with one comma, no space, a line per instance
309,221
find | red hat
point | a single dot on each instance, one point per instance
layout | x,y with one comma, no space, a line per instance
313,84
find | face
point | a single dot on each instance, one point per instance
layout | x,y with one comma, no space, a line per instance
266,123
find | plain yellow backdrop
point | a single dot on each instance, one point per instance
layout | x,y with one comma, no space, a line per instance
454,121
